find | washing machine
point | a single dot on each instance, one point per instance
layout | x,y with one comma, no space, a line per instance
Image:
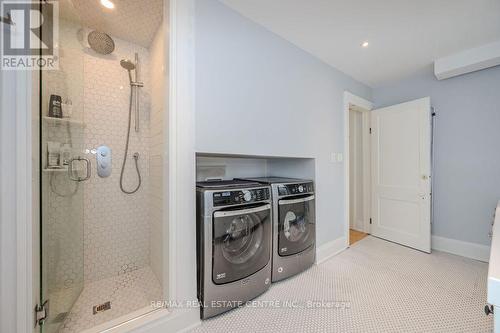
234,243
294,225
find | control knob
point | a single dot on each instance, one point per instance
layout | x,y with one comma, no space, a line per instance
301,188
247,196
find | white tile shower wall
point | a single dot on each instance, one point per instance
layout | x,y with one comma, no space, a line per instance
116,236
156,160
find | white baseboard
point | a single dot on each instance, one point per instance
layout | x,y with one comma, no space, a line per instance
178,320
465,249
328,250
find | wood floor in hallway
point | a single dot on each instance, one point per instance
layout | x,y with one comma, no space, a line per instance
355,236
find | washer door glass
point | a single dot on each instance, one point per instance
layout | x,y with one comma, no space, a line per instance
241,242
296,225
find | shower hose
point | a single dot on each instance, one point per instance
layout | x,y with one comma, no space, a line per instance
136,155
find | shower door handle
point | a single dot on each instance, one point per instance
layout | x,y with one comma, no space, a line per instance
87,165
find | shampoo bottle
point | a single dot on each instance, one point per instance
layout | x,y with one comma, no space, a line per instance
55,109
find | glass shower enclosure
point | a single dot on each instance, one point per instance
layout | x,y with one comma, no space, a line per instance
101,226
64,168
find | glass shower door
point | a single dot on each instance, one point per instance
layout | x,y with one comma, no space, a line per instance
63,169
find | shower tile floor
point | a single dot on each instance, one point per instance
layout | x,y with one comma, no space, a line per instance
127,293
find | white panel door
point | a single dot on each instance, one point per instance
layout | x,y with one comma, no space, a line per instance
401,169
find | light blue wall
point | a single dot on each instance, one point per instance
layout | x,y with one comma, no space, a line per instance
257,94
467,147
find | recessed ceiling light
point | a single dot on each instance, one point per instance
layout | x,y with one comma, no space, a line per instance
365,44
108,4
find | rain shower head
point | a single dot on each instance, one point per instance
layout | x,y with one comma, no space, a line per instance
100,42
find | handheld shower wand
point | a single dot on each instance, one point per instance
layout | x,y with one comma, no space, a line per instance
134,87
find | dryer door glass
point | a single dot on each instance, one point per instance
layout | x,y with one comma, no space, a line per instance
242,242
296,225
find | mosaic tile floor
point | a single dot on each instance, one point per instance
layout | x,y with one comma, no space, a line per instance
386,287
127,293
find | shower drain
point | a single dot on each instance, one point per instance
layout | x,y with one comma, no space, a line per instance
101,307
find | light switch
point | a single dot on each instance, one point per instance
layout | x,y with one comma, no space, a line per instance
340,157
337,157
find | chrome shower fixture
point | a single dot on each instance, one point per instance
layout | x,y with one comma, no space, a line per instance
134,84
101,42
134,91
129,66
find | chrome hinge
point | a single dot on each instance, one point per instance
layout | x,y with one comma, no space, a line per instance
7,19
41,313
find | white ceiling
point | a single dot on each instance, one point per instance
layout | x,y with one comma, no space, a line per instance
404,35
133,20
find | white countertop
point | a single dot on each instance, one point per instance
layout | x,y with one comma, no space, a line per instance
494,265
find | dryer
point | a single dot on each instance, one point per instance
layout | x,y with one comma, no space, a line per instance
294,225
234,243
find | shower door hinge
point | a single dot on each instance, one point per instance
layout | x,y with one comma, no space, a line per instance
41,313
7,19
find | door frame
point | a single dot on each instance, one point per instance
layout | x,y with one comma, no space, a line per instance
17,244
352,99
18,252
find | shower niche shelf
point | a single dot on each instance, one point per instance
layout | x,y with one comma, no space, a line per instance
62,121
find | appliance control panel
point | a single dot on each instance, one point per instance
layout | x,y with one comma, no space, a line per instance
225,198
289,189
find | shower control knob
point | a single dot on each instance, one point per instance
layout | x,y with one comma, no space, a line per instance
301,188
103,158
247,196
